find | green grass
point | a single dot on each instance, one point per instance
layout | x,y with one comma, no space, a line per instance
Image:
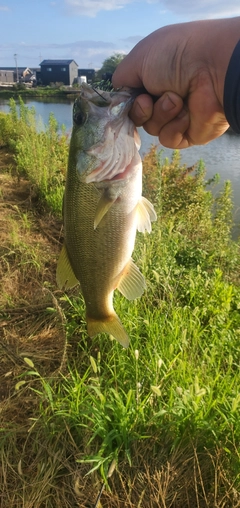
173,396
41,155
40,91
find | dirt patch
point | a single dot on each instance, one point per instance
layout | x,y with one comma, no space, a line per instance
29,246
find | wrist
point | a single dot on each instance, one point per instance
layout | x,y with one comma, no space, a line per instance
225,39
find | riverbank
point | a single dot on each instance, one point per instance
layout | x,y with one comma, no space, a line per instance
221,156
41,92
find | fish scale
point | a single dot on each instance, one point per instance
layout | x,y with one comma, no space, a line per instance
101,216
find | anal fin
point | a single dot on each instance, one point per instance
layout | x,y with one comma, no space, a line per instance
64,275
131,283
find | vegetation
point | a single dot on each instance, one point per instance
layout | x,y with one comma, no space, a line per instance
109,65
59,89
56,90
39,154
156,425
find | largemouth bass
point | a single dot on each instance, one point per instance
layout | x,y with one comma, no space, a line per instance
103,208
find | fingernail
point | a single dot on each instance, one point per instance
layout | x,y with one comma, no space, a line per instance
182,113
138,112
167,104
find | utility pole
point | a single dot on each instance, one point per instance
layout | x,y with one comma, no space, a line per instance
15,57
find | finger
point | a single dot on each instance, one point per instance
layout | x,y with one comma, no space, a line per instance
142,109
127,73
165,109
174,134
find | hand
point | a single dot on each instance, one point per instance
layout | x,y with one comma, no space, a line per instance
182,67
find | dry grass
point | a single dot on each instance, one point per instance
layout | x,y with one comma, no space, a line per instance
38,470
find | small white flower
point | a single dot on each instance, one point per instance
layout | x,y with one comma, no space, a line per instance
136,352
179,390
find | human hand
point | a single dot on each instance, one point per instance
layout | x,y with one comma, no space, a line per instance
182,67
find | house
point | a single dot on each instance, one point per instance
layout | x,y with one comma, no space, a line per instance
88,73
6,76
59,71
16,74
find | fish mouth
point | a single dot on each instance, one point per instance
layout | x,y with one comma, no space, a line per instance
117,142
122,99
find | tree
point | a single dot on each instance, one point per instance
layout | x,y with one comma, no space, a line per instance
109,65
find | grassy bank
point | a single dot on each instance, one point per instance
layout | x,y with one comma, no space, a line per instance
40,91
158,424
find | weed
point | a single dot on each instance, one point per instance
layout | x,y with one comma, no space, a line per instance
41,155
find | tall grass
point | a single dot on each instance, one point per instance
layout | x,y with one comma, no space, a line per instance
40,153
171,401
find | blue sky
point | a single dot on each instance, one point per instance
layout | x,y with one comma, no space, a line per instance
91,30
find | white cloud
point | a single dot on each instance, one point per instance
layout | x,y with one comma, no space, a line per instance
92,7
4,8
83,52
202,9
132,39
187,9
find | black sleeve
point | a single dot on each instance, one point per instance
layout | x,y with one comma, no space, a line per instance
231,97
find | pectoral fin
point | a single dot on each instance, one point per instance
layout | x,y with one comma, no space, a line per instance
146,214
104,203
64,275
132,282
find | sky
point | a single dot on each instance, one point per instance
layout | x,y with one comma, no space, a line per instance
89,31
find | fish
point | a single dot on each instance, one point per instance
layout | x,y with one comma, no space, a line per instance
103,208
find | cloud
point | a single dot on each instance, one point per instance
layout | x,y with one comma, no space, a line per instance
184,8
204,9
4,8
92,7
133,39
83,52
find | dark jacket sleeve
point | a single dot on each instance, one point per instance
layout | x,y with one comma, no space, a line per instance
231,97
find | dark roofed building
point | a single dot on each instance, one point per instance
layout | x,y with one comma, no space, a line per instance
89,73
59,71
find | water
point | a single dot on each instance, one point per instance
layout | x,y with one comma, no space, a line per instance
62,110
221,156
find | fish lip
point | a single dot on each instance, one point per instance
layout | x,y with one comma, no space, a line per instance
91,101
113,98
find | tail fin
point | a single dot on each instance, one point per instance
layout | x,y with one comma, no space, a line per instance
111,325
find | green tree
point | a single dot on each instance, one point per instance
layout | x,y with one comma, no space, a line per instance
109,65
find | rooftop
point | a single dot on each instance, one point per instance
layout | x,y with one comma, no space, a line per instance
57,62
